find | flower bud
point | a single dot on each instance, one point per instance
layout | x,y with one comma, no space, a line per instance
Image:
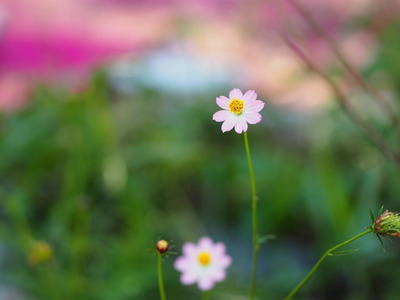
387,223
162,246
39,253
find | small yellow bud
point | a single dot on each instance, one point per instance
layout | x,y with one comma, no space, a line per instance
40,252
162,246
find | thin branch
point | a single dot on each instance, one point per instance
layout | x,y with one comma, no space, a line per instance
371,133
332,43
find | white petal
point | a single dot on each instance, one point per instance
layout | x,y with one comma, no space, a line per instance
218,275
223,102
188,249
225,261
229,123
241,125
189,277
221,115
249,97
236,93
205,243
219,248
205,284
256,106
181,264
252,117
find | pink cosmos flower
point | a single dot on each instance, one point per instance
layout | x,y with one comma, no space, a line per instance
238,110
204,263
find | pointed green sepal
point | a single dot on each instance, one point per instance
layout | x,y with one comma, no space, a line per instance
266,238
341,253
383,247
381,210
372,216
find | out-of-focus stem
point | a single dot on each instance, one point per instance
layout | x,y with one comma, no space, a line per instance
205,295
371,133
332,43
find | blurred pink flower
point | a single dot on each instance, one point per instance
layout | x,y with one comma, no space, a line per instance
62,42
204,263
238,110
248,42
13,92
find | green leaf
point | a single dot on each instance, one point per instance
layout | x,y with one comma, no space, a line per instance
266,238
381,210
341,253
372,216
383,247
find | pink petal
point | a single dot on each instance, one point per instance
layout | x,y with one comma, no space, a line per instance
205,243
181,264
222,261
229,123
223,102
219,248
188,278
225,261
221,115
256,106
236,93
241,125
205,284
249,97
218,275
189,248
252,117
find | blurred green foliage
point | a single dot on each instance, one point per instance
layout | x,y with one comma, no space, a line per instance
100,177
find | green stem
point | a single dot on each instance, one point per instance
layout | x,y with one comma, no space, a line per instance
205,295
256,245
160,279
327,253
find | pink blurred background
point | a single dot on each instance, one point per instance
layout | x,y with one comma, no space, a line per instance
60,43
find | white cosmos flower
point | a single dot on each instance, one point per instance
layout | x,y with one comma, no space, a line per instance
204,263
238,110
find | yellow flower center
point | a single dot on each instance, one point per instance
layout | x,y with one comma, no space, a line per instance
236,106
204,258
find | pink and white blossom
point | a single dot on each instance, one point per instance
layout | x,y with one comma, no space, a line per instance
204,263
238,110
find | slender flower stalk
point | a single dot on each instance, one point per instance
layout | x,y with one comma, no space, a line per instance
205,295
327,253
162,248
160,278
370,131
256,245
237,112
341,57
